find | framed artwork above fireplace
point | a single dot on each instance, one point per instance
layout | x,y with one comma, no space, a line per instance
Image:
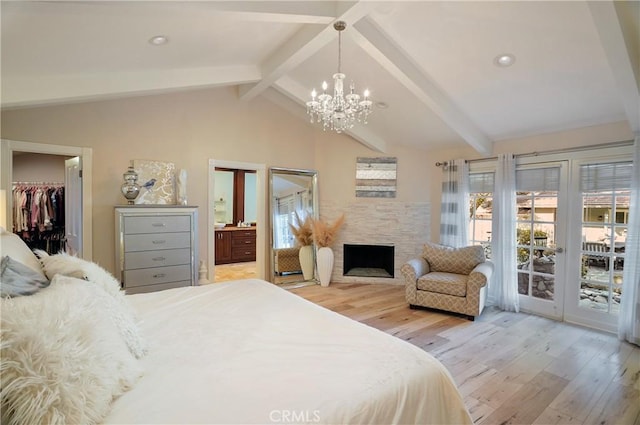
376,177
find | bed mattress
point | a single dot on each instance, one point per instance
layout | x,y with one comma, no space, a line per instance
248,352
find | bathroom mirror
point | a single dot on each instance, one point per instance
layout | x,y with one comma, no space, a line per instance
291,192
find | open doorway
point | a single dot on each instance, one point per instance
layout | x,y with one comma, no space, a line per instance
236,220
54,165
235,224
41,216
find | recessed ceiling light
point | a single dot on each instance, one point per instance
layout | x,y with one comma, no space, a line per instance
159,40
382,105
504,60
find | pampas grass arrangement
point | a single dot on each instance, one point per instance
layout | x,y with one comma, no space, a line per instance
324,234
302,230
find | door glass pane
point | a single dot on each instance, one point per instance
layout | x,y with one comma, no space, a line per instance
536,232
604,234
523,283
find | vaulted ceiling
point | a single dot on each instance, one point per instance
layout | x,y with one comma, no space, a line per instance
429,65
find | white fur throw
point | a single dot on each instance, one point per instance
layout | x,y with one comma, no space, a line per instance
69,265
62,359
120,311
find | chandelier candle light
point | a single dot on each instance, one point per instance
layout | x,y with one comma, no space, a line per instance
339,112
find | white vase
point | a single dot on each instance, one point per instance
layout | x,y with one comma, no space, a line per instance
325,265
306,261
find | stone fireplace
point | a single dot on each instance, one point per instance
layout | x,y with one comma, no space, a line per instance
404,226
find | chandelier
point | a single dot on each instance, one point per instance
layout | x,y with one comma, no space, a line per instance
339,112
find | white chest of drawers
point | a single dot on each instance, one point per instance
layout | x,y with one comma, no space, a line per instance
156,247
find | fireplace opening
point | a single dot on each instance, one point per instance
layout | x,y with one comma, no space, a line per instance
368,260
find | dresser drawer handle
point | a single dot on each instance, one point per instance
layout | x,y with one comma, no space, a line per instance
158,224
158,242
159,275
247,241
158,259
247,252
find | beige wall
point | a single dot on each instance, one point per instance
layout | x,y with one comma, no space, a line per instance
336,160
189,128
28,167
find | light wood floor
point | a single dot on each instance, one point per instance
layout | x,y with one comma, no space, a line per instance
235,271
247,270
511,368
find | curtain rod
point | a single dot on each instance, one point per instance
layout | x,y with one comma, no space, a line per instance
553,151
38,183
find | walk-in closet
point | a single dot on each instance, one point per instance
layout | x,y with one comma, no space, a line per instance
38,199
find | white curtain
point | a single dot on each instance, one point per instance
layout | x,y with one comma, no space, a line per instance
454,212
504,288
629,319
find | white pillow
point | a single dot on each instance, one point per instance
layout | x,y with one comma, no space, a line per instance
121,312
12,245
16,279
62,358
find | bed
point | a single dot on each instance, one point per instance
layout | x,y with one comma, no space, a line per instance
248,352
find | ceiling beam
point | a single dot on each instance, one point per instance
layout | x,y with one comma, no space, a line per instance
613,42
294,101
29,91
304,44
370,37
315,12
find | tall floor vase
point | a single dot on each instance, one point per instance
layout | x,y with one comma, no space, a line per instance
325,265
305,254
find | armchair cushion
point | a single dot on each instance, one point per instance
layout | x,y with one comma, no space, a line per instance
453,260
444,283
287,260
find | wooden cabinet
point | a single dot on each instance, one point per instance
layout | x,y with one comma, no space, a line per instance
156,247
235,245
243,245
223,247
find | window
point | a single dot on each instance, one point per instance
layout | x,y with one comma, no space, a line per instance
286,209
480,205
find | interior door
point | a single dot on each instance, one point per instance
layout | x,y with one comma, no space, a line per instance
73,206
541,231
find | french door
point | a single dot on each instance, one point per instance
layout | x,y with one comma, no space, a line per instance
598,225
541,204
572,218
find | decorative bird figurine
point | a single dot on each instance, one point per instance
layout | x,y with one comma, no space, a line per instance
148,185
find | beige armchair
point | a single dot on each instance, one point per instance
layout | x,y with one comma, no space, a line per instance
450,279
287,260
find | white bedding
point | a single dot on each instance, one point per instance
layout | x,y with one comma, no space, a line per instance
248,352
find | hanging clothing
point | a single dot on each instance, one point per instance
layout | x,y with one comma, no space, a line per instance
38,215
